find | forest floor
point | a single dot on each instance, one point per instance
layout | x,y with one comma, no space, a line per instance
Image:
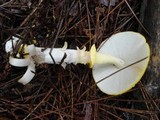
56,93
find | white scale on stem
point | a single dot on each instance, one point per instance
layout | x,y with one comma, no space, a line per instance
115,53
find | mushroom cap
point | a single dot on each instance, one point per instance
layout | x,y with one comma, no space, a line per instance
130,47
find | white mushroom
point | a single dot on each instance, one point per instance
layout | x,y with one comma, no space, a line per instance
129,47
119,51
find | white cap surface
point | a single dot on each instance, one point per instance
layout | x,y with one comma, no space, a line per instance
130,47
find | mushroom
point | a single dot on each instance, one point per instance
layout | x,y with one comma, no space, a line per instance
131,47
114,54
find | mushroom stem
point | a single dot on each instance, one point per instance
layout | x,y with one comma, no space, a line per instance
67,56
72,56
99,58
79,56
58,54
75,56
108,59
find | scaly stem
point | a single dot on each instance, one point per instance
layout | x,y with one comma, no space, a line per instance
72,56
77,56
68,55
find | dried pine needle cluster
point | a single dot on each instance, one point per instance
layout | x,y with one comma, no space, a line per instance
70,93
